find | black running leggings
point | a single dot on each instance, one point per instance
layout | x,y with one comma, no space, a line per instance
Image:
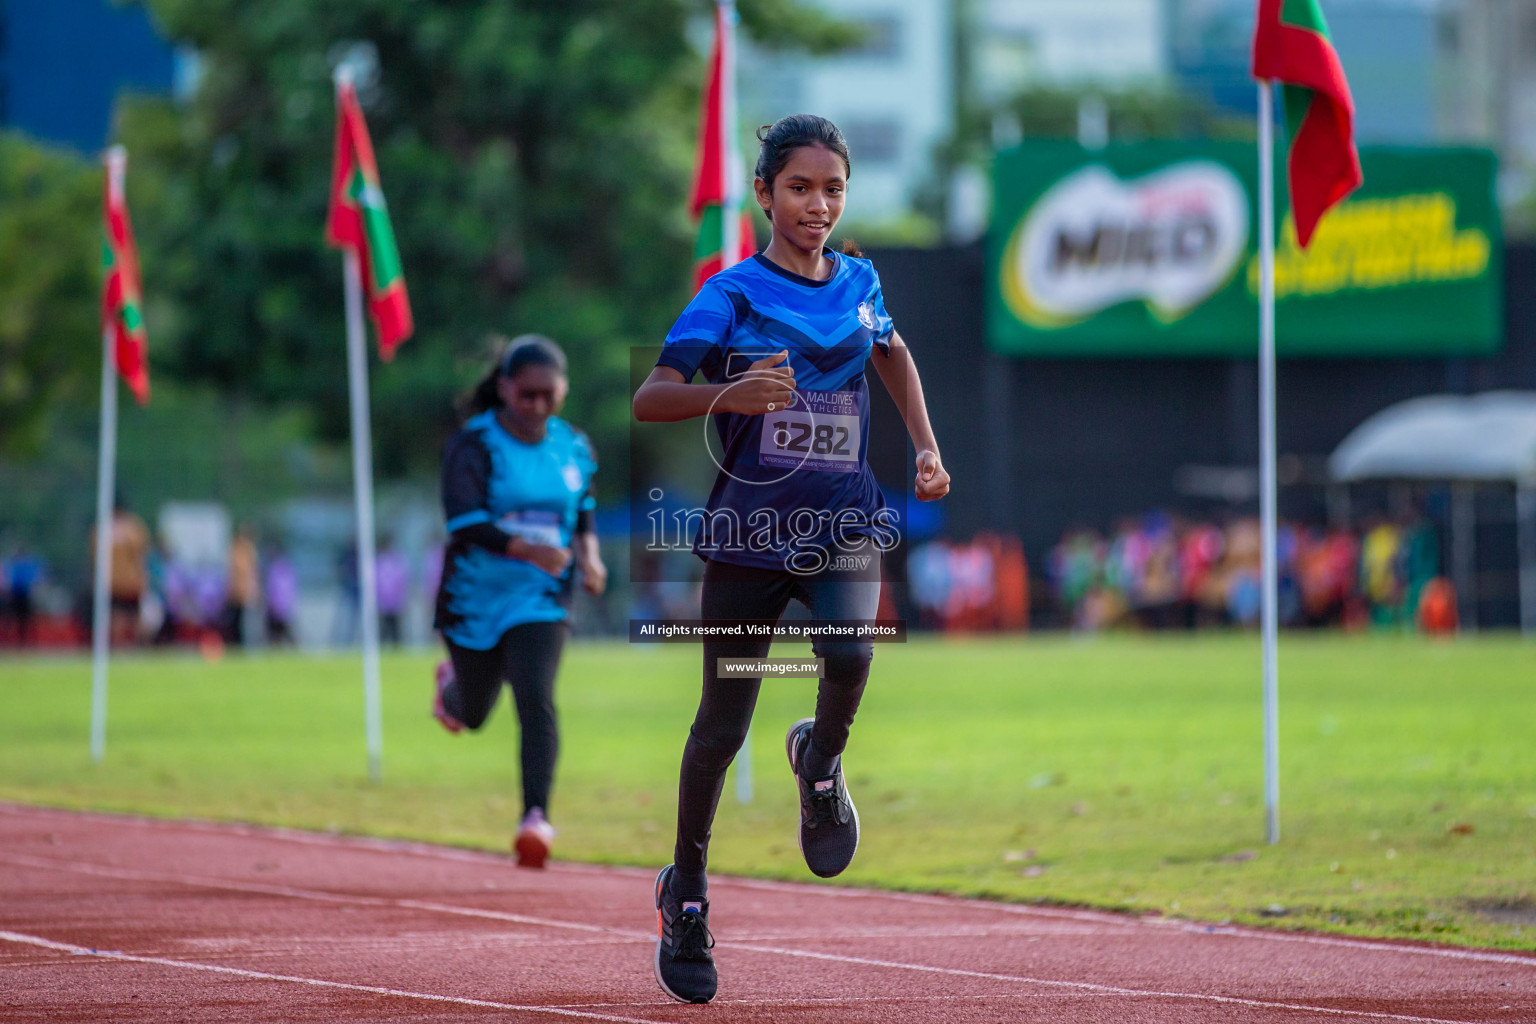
527,656
734,592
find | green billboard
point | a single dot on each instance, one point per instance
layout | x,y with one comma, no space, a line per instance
1152,249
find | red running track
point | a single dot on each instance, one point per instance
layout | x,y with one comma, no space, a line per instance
126,919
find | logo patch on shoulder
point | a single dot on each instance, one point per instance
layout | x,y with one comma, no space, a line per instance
572,477
867,314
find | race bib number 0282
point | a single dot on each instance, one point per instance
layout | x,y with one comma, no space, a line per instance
819,430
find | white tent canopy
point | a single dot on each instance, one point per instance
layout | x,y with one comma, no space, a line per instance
1491,436
1462,438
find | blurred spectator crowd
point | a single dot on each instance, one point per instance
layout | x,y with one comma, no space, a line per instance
967,587
252,595
1156,571
1159,571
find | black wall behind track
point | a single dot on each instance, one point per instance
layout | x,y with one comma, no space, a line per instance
1036,446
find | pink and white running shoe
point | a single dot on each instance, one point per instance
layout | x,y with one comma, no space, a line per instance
443,678
533,840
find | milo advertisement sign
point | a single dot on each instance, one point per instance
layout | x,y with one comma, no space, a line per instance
1152,249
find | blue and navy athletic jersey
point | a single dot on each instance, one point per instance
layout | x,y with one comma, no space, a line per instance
535,491
809,460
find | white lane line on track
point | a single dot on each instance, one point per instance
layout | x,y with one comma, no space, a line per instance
373,844
1088,986
821,1001
1075,986
1079,986
1327,940
487,858
610,934
130,875
65,947
1105,917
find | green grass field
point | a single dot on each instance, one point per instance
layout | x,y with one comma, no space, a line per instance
1122,772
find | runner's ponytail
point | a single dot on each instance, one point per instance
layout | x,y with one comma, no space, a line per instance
485,395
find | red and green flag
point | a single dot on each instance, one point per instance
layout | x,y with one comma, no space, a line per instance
359,221
1291,45
122,300
716,166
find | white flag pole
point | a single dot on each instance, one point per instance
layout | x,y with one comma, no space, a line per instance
1267,483
730,248
362,479
106,484
106,472
730,160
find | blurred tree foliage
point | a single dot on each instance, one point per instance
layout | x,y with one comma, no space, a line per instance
536,156
50,260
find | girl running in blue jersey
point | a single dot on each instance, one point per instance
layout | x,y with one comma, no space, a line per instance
782,340
517,498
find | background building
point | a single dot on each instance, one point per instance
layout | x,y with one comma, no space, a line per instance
1388,50
1486,84
892,96
1017,44
1387,46
64,62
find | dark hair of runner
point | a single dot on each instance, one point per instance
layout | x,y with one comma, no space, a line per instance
522,351
788,134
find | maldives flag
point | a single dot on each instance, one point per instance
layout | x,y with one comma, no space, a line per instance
717,166
1291,45
359,221
122,301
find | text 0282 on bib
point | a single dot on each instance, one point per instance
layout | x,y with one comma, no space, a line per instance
819,430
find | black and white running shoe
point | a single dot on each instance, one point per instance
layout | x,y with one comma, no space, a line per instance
829,823
685,970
